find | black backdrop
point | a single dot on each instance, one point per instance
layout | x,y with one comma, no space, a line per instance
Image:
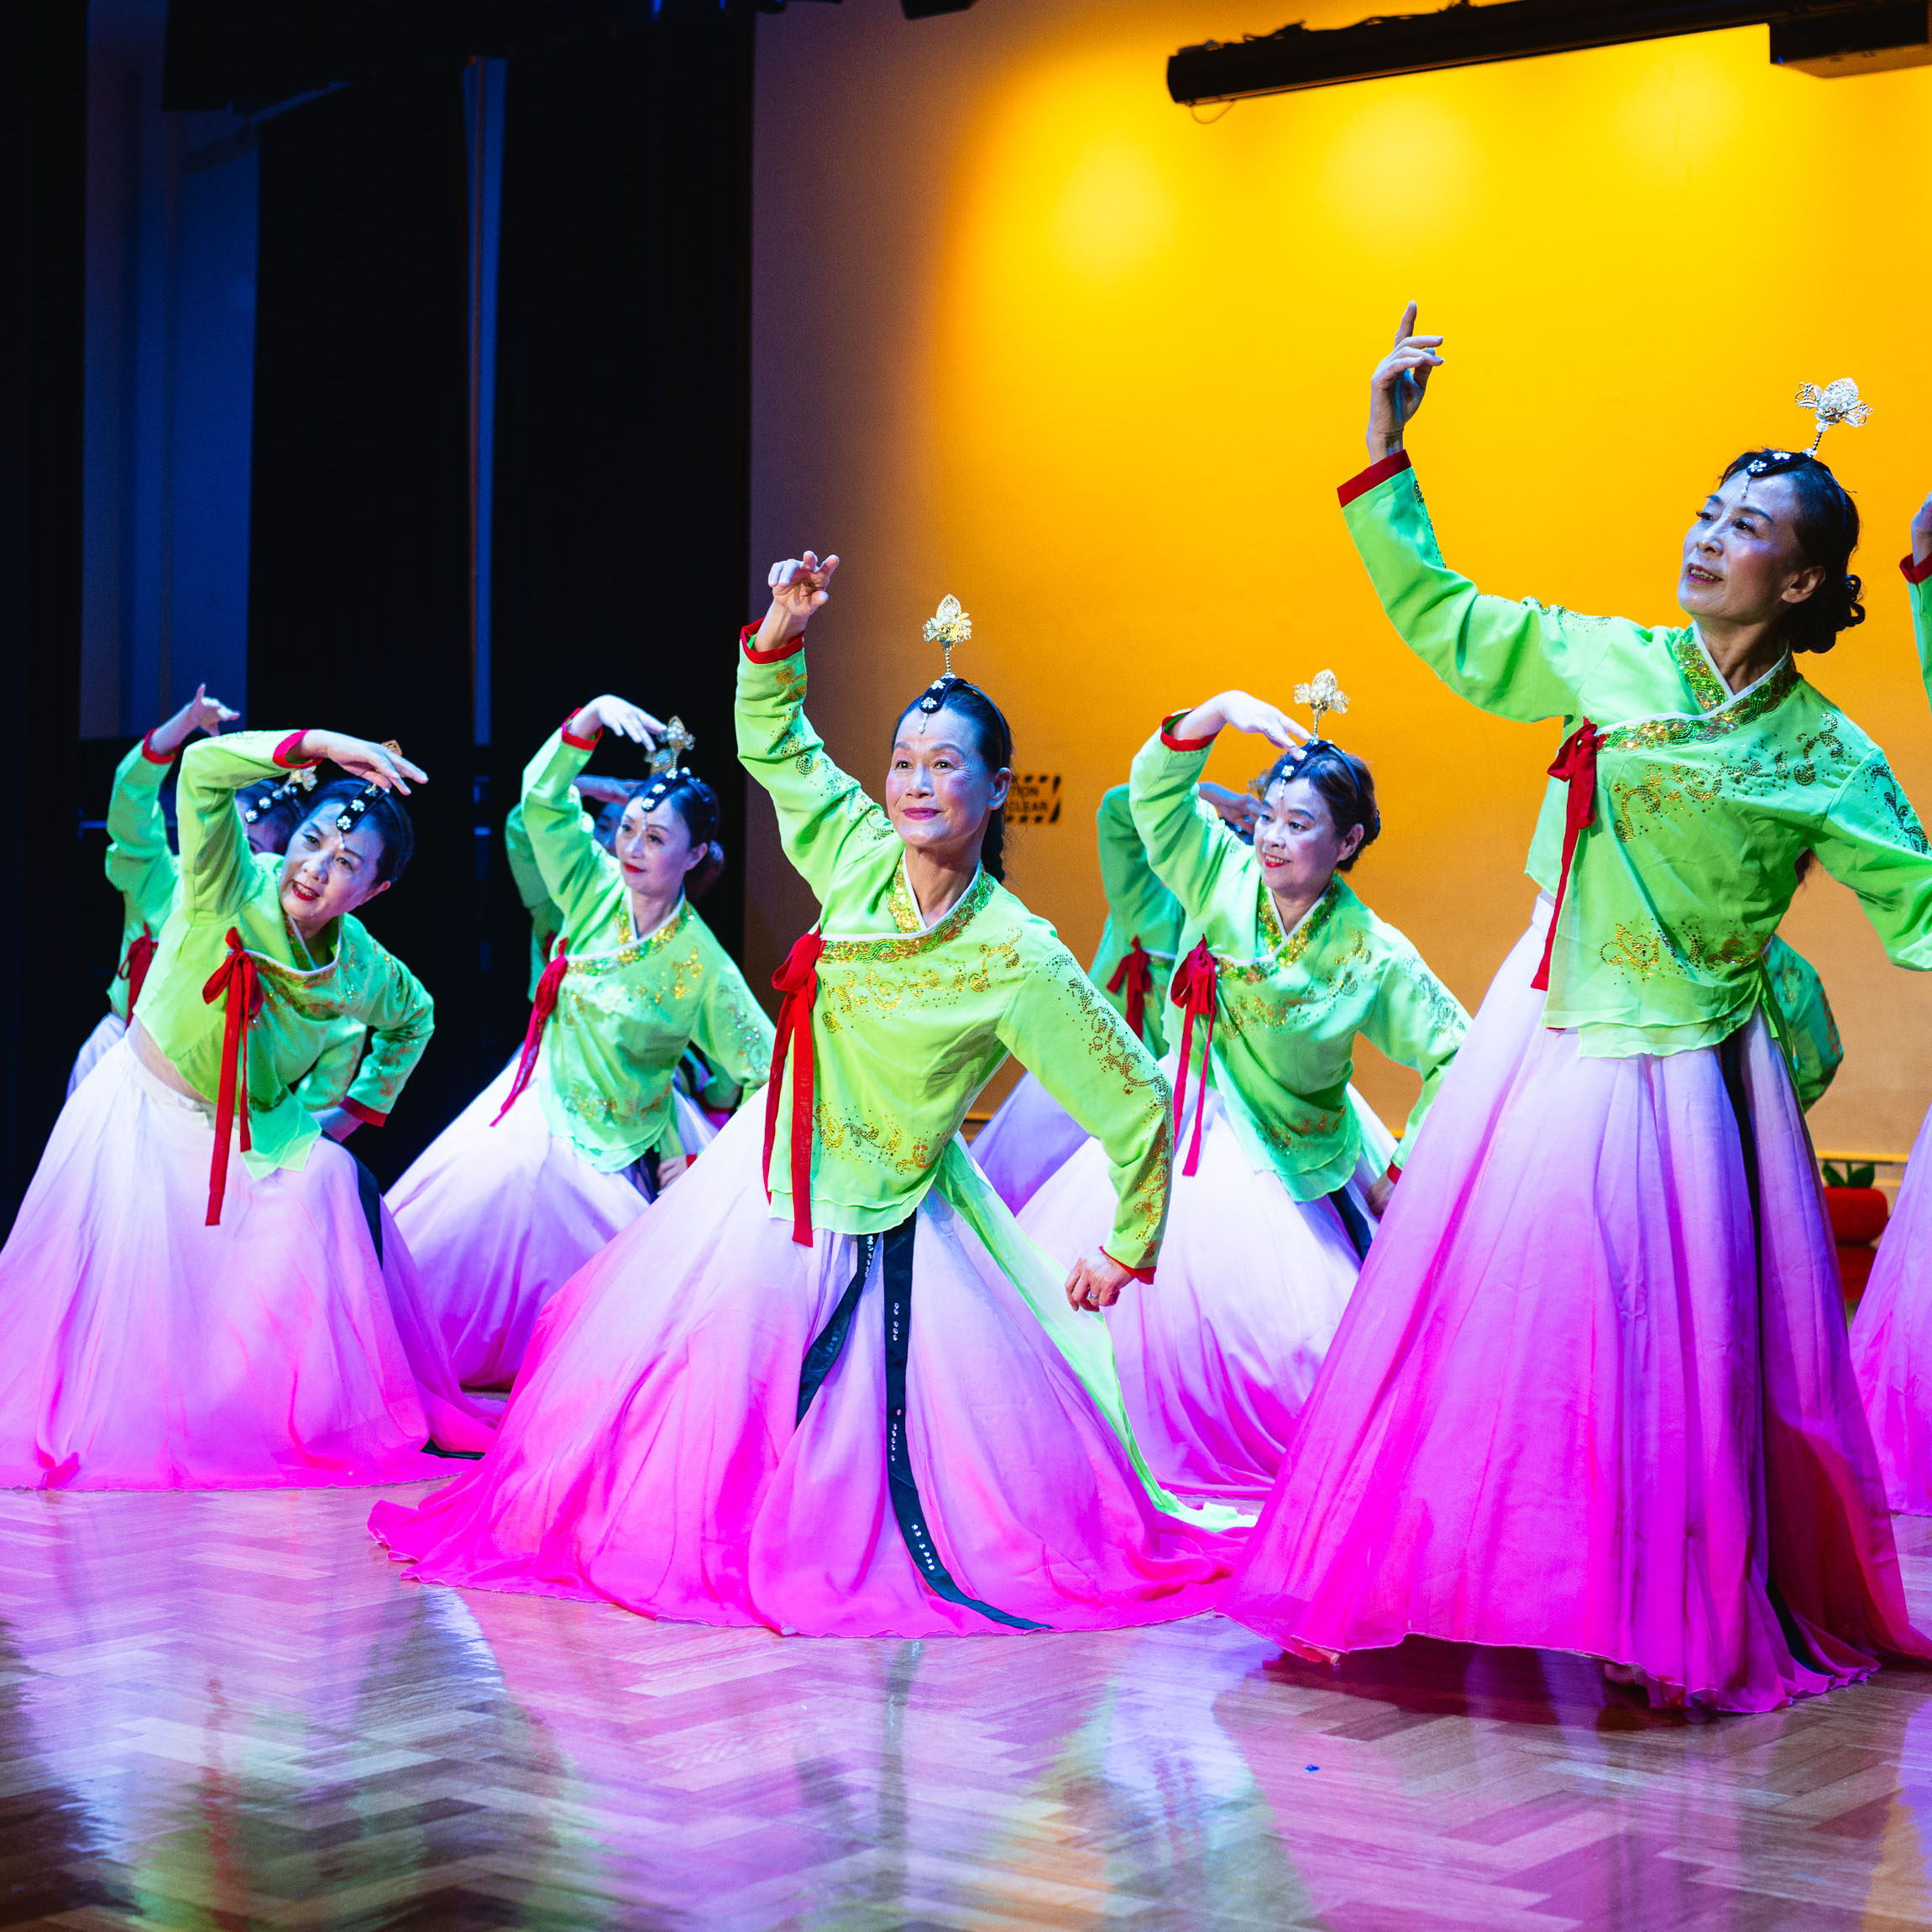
50,993
621,478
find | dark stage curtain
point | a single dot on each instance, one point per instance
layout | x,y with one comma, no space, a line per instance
49,996
358,568
623,399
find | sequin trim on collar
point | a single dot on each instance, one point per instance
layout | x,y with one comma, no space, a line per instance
1651,734
1285,948
1707,689
909,945
631,951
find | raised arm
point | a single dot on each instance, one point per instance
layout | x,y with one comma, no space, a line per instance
1918,569
1186,841
575,871
1516,660
1417,1021
1062,1031
820,808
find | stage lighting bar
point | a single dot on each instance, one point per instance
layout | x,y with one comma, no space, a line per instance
1849,36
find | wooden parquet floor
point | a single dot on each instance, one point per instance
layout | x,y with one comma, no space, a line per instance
228,1712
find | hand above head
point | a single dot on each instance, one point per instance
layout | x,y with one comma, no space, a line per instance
1921,532
1395,389
1241,811
1239,711
373,764
618,714
202,713
1096,1284
800,586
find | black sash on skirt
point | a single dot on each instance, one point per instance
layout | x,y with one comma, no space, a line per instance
830,1343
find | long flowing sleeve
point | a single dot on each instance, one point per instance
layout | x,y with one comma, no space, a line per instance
545,921
400,1016
1518,660
139,866
1061,1031
1417,1021
823,812
218,868
1870,840
574,870
1190,851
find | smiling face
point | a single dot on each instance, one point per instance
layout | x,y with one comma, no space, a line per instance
654,850
327,872
1742,561
939,790
1297,841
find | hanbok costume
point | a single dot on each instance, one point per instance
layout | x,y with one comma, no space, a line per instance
1032,1135
1269,1219
1593,1391
741,1412
200,1292
560,1151
1806,1024
141,867
1891,1332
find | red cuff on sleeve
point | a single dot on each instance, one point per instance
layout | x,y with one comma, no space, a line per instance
1174,744
570,737
1143,1275
155,758
1393,1172
783,652
285,751
367,1115
1915,572
1364,480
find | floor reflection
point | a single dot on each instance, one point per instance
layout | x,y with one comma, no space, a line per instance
231,1712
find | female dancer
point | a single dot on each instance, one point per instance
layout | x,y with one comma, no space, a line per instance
140,866
1032,1135
175,1318
1593,1392
1891,1332
570,1142
731,1413
1273,1206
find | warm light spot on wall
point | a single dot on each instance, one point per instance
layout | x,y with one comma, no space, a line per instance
1114,212
1398,158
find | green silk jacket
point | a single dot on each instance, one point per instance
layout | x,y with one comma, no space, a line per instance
545,921
627,1006
139,866
1138,907
1808,1031
1288,1006
910,1021
307,996
1703,800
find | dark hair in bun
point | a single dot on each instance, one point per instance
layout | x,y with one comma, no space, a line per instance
1826,526
696,804
1346,786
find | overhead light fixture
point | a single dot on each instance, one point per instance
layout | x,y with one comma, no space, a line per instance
1835,37
925,9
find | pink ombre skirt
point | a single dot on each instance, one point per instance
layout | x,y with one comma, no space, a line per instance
140,1349
1566,1410
652,1455
1892,1339
109,1034
1028,1138
498,1218
1218,1353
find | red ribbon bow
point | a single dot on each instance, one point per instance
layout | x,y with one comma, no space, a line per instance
1194,980
134,966
798,980
1576,765
541,1008
236,981
1136,974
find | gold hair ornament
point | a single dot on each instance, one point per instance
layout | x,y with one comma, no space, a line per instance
1836,403
948,625
1321,695
670,749
350,816
301,779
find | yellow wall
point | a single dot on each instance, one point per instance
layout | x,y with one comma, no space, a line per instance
1028,333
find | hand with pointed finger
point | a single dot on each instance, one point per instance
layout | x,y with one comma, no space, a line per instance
202,713
619,715
373,764
1395,389
801,586
1096,1284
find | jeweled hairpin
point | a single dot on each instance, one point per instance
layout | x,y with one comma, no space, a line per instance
652,795
949,625
1836,403
303,780
670,749
350,816
1321,695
